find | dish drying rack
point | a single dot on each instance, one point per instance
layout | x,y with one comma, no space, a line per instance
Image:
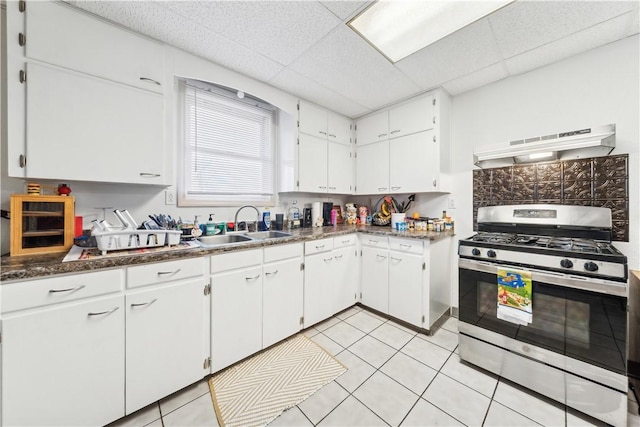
111,238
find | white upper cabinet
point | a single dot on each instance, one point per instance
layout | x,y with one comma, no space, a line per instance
60,35
372,128
415,132
325,162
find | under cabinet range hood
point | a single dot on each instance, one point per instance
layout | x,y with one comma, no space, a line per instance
582,143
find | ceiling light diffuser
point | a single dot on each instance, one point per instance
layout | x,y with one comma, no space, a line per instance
398,28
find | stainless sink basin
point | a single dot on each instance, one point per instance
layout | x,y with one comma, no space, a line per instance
225,239
271,234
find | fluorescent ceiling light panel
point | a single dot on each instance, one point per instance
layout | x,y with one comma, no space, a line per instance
398,28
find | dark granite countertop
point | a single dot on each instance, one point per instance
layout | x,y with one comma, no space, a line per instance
34,266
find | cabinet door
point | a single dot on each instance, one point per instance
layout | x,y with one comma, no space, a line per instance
312,164
338,128
412,117
317,299
61,35
373,128
343,280
375,278
282,296
339,168
372,168
405,287
312,120
236,316
65,365
111,132
411,163
165,339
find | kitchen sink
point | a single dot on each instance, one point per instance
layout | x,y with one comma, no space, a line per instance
271,234
225,239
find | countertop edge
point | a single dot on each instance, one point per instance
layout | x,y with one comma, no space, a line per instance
38,266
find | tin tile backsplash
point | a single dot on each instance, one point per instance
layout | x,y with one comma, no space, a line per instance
598,181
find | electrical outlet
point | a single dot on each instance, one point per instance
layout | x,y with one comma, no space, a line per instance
169,197
452,203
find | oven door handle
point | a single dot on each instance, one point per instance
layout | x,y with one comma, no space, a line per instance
549,277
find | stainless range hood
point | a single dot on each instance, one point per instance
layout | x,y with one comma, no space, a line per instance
576,144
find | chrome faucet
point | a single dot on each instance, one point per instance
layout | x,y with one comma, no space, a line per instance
246,227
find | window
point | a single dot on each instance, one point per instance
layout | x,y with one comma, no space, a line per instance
228,151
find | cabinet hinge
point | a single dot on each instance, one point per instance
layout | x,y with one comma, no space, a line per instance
22,161
302,320
350,155
22,40
424,265
356,155
207,363
22,5
360,252
207,289
434,101
298,107
298,184
355,127
301,266
0,338
23,76
298,123
423,318
360,295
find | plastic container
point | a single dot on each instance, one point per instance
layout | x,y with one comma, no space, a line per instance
266,220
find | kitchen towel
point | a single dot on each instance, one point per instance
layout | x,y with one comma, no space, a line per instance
256,391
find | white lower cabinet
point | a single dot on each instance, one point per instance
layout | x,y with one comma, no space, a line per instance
164,341
375,278
64,365
282,293
406,286
317,276
344,278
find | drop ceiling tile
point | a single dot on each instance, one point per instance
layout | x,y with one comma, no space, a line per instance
463,52
294,83
154,20
525,25
345,9
279,30
597,35
346,63
478,78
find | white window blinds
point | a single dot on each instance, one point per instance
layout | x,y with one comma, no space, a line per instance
229,148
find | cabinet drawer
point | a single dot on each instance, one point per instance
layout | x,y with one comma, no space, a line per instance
412,246
342,241
279,252
317,246
374,241
233,260
53,290
151,274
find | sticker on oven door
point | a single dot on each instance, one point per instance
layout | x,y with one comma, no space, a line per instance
515,296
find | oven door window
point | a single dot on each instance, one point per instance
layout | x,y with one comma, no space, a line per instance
584,325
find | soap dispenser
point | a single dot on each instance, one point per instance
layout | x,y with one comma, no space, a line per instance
210,227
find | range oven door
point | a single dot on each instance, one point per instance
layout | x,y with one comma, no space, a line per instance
585,320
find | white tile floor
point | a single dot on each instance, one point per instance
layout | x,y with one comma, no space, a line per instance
396,377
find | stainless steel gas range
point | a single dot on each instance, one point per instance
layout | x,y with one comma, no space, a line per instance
543,302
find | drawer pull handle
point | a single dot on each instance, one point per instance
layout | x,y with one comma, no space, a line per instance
381,256
382,188
272,273
77,288
381,135
373,242
397,187
346,241
396,259
395,131
338,256
172,273
319,246
328,259
252,278
141,304
322,132
102,313
147,79
402,245
149,175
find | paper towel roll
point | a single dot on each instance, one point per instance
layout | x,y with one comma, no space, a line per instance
316,212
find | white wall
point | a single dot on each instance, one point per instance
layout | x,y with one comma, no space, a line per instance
595,88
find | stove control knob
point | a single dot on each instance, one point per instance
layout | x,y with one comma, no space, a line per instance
491,253
566,263
590,266
475,251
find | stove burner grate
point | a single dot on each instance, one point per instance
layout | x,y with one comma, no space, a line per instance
494,237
